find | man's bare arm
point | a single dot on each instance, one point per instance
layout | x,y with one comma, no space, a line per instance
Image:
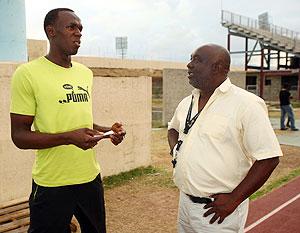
24,138
225,203
172,138
256,177
101,128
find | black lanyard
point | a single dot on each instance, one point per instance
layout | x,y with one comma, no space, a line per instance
188,125
188,121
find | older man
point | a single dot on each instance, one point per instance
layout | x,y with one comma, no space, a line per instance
223,147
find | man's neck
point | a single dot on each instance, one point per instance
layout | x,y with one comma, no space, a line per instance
206,94
58,59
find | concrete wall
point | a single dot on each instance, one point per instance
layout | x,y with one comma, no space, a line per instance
271,92
15,165
127,63
176,87
238,78
125,99
36,48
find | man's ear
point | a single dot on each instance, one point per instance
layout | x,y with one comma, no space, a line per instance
219,68
50,31
216,67
226,70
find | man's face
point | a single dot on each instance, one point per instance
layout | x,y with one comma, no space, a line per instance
67,32
200,69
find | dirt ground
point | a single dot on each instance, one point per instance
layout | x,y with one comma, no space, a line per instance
149,204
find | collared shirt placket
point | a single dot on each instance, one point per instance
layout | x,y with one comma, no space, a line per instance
202,114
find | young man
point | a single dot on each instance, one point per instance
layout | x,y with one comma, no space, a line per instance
223,147
53,94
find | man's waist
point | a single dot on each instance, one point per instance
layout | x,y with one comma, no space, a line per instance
63,180
203,188
200,200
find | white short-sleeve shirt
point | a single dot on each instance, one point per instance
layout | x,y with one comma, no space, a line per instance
232,131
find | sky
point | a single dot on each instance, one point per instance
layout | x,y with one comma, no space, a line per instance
158,29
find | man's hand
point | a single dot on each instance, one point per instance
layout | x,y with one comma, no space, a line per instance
222,206
119,133
84,138
225,203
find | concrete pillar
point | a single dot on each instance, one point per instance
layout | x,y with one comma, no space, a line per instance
228,42
13,46
261,73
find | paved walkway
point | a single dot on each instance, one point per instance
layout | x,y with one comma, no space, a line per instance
287,137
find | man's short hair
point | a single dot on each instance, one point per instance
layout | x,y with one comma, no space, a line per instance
51,17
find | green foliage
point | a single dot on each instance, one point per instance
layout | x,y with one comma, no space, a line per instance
276,184
123,177
296,104
158,176
163,178
158,124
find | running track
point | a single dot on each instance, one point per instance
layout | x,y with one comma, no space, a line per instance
277,212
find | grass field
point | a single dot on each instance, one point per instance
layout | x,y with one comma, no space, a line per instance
275,112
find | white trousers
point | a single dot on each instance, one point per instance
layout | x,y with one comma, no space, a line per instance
191,220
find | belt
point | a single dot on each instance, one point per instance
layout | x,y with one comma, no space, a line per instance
200,200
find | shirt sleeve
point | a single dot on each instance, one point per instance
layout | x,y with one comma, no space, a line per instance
259,137
22,95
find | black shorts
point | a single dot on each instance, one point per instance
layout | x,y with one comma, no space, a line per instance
52,208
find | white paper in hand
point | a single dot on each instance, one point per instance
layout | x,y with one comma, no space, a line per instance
108,133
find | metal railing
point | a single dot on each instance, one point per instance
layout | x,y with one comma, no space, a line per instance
240,20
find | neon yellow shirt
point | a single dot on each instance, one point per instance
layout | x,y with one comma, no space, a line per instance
60,100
